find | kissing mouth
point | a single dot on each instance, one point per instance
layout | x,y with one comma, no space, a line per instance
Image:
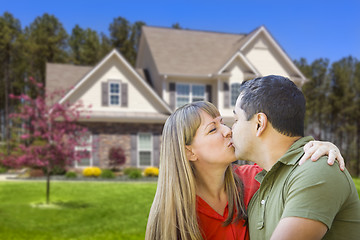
230,144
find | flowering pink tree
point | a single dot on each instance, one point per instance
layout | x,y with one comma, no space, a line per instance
54,125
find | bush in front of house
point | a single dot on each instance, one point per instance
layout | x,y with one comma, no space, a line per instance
151,172
128,170
70,174
91,172
132,172
116,157
107,173
135,173
3,169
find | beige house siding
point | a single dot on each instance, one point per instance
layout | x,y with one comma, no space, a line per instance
90,91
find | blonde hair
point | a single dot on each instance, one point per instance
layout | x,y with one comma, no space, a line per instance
173,212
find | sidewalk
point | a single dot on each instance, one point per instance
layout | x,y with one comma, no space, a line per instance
7,176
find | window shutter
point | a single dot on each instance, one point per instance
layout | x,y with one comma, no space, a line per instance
95,150
133,142
172,93
104,94
226,95
156,149
124,95
208,93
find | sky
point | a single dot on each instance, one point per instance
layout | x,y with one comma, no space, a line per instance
309,29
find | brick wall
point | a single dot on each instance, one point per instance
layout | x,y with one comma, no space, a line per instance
117,134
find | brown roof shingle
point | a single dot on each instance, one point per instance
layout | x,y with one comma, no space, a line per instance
190,52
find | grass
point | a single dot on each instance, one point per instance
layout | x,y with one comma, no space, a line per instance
80,210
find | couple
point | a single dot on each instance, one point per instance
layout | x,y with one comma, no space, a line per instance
201,195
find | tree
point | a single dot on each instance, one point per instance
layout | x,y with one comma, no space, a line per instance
85,46
54,126
46,42
125,37
10,57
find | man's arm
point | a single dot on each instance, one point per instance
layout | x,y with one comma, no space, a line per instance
296,228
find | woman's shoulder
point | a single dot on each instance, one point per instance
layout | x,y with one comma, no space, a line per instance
247,170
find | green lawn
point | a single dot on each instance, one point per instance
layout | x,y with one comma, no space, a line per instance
89,210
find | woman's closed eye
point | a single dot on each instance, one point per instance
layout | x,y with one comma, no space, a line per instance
212,130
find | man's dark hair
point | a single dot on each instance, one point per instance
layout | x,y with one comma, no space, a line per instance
277,97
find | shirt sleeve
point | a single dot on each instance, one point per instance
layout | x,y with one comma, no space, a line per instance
316,191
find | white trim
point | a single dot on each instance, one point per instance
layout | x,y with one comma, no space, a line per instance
123,60
244,59
138,150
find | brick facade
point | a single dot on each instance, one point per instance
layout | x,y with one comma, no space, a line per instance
107,135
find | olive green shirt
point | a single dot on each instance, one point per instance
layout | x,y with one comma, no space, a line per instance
313,190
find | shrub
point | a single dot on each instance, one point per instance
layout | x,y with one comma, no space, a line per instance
91,172
70,174
116,157
107,173
128,170
135,173
151,172
3,169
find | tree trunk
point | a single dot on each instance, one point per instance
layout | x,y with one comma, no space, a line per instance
357,155
7,122
48,186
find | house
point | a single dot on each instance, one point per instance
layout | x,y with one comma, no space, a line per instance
173,67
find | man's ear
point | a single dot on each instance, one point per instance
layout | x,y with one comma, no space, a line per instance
261,123
190,155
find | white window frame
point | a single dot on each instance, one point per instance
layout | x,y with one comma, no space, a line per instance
232,95
114,94
190,96
139,150
87,147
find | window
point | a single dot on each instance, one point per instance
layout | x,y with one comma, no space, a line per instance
145,147
234,93
186,93
85,152
114,93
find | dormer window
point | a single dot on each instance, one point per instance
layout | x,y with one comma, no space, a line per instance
114,93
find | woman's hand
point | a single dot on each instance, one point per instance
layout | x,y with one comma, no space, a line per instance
317,149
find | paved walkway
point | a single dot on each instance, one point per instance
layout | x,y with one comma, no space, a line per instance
7,176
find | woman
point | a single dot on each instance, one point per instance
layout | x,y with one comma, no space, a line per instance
200,194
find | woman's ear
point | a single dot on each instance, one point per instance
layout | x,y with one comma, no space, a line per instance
190,155
261,121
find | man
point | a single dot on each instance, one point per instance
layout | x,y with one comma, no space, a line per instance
311,201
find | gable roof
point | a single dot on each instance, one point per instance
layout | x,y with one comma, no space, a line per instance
199,52
89,71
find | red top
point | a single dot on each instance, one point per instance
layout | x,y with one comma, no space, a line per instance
210,221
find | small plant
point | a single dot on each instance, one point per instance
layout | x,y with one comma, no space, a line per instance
135,173
107,173
91,172
70,174
128,170
151,172
116,157
3,170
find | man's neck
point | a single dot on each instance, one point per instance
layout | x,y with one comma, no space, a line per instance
273,149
